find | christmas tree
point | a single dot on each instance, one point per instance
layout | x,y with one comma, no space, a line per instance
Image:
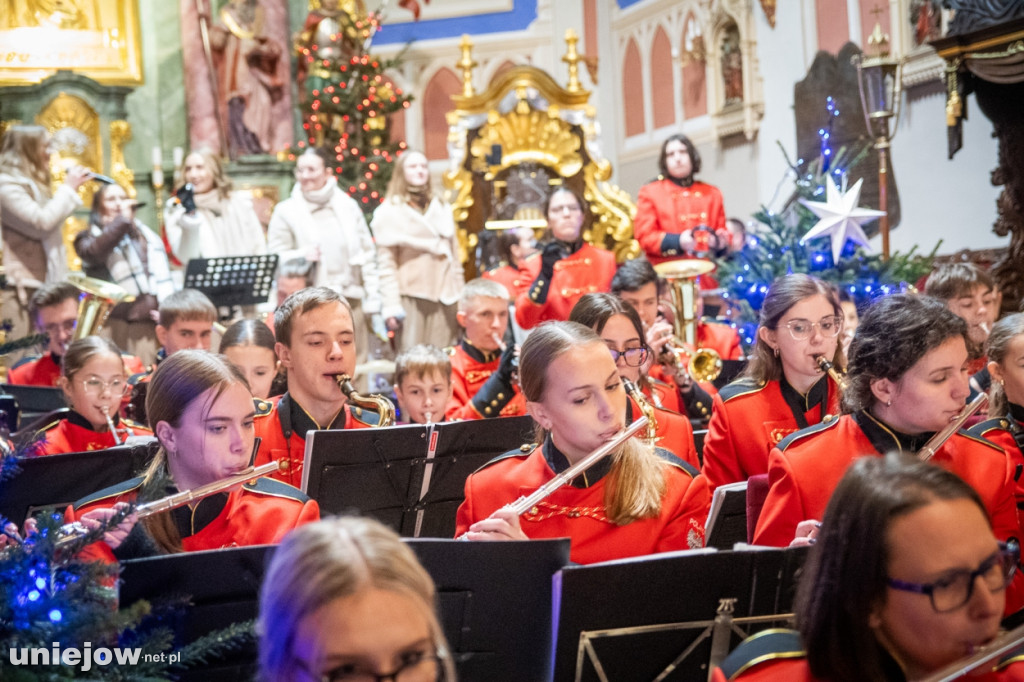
787,242
347,98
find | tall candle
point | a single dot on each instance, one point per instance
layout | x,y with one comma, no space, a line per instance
179,156
158,157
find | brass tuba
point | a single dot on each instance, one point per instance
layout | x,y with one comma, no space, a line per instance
704,364
94,305
378,403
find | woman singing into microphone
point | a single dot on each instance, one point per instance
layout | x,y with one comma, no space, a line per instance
93,380
635,502
202,412
907,380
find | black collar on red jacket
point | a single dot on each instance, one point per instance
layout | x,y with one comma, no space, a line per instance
190,521
294,419
885,439
800,404
481,356
1015,415
78,420
559,463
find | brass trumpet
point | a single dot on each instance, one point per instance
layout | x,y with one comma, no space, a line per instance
378,403
702,364
651,433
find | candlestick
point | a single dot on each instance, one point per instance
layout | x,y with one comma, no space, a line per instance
158,157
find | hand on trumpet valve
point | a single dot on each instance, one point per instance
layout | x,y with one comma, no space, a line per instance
114,536
501,525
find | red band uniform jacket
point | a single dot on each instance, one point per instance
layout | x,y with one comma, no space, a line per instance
748,420
74,433
282,424
586,271
471,368
806,467
665,210
579,512
1008,433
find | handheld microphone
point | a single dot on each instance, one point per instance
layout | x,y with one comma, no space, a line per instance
106,180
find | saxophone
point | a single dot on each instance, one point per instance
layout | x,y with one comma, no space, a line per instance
651,431
378,403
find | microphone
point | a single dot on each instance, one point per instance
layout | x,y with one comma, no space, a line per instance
105,179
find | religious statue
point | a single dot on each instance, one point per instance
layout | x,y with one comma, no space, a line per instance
247,76
75,15
732,66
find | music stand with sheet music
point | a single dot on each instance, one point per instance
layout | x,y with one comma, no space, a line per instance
34,400
411,478
56,481
673,614
727,517
233,280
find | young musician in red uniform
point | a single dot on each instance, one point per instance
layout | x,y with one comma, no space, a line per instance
891,591
54,310
1006,397
482,368
423,384
567,268
638,501
514,246
620,328
93,382
363,608
969,292
202,412
899,395
782,389
315,343
669,209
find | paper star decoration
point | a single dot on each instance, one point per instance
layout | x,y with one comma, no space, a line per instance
840,218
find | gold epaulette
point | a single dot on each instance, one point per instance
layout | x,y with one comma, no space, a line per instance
263,407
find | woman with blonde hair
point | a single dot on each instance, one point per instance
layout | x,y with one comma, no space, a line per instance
206,218
637,501
345,599
418,257
31,217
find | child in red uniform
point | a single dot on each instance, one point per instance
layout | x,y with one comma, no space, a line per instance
969,292
249,345
620,328
423,384
202,413
93,381
635,502
567,268
315,343
891,589
482,371
782,389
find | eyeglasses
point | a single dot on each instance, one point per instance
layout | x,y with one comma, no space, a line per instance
96,386
633,357
67,326
955,589
562,209
801,329
418,666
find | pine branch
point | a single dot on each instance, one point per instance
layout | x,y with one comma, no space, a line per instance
217,644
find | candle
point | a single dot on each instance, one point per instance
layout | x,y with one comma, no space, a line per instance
179,157
158,157
158,177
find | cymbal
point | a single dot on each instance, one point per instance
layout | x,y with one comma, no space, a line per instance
684,268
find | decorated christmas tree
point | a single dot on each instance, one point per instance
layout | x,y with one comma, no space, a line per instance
347,98
817,231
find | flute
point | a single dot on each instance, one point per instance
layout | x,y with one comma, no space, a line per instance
936,441
992,651
110,424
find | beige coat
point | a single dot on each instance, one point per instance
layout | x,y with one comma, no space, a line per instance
33,241
418,254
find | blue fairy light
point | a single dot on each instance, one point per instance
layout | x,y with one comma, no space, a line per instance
33,595
56,616
41,583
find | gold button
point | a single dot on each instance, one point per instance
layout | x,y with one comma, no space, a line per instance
501,396
565,292
284,463
703,214
827,418
586,261
534,510
487,410
494,403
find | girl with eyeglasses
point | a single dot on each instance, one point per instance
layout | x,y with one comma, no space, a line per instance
634,502
363,611
566,267
619,326
1005,351
94,381
907,380
906,578
783,388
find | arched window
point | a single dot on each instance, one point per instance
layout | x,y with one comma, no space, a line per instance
662,83
437,102
633,90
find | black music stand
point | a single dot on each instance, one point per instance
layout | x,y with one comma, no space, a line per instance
496,604
675,614
34,400
221,587
411,478
730,370
53,482
727,517
233,280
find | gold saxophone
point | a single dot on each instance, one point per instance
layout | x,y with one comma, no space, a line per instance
651,431
378,403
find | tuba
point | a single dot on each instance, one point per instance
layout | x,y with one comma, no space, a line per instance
98,298
703,364
378,403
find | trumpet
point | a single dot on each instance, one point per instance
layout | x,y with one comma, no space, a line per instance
703,364
378,403
651,433
828,368
936,441
76,530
